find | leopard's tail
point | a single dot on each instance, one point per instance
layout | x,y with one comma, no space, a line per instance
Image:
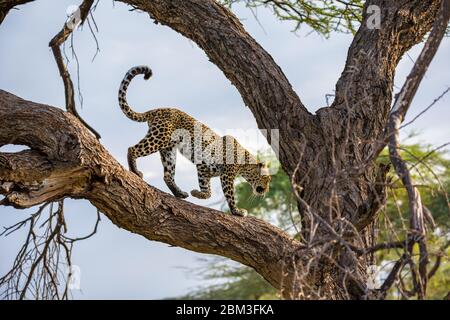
136,116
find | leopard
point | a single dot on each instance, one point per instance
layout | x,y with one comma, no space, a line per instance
172,130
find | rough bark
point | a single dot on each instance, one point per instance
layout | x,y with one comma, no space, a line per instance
356,121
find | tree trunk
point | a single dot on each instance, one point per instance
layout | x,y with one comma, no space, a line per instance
330,155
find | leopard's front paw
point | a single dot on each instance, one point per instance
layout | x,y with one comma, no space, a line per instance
200,195
239,212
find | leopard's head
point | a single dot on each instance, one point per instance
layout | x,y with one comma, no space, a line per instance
257,175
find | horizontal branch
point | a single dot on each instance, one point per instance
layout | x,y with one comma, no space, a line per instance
65,160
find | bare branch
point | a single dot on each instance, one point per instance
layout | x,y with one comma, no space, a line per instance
384,246
39,270
392,276
55,44
401,106
427,108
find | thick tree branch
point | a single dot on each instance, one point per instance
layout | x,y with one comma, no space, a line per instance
66,161
354,125
365,88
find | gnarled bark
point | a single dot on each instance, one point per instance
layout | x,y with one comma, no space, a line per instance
355,123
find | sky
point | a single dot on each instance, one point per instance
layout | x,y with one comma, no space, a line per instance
116,264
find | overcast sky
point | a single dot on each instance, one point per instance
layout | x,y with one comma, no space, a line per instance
116,263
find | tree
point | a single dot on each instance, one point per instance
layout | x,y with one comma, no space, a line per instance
330,156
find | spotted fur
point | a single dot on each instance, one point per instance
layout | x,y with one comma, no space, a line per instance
171,129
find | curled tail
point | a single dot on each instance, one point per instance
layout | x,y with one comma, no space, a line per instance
136,116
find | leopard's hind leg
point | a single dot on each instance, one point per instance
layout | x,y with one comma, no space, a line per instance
169,160
157,138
